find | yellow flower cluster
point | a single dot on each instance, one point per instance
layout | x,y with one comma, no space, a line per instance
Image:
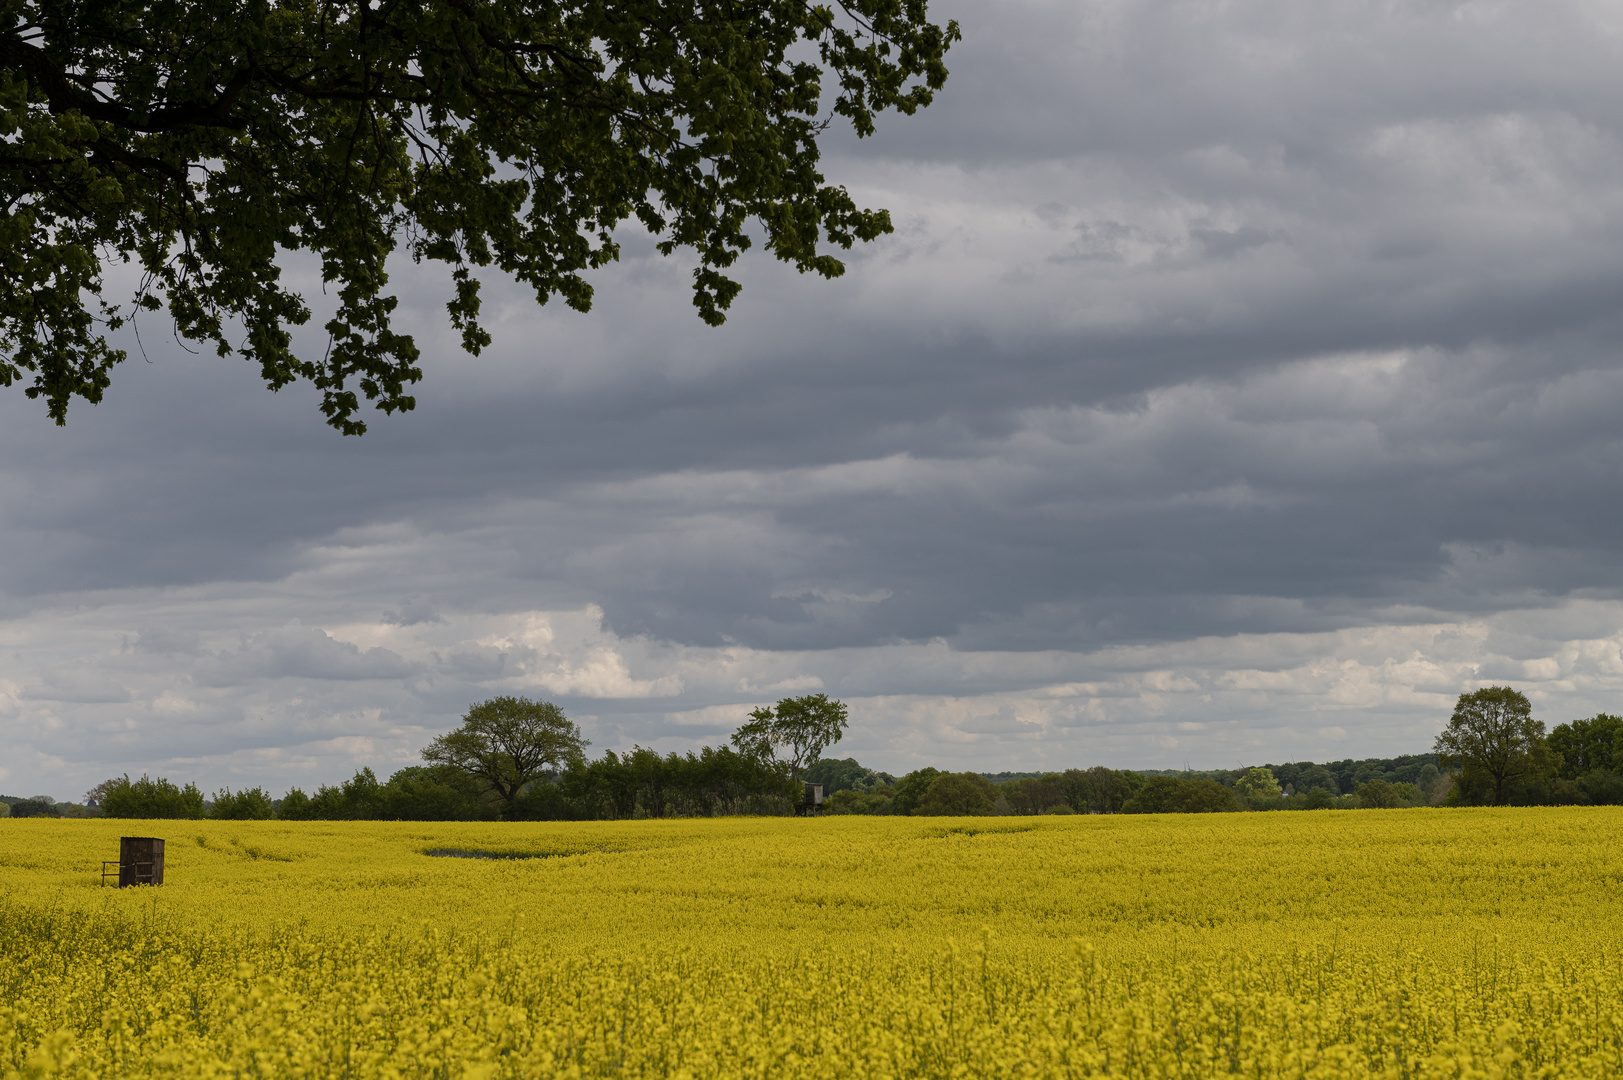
1401,944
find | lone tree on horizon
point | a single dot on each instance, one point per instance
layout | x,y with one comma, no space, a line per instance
802,726
1494,738
508,742
202,141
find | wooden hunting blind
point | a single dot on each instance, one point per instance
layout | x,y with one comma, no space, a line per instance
140,861
813,801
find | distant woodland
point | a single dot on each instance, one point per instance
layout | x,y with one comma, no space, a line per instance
518,760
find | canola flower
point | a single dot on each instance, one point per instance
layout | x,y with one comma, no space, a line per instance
1472,943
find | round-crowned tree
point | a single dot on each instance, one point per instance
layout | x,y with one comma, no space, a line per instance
1258,784
507,743
1494,739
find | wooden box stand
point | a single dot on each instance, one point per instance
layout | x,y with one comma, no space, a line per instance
140,861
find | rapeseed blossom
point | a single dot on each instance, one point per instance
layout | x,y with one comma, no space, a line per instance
1472,943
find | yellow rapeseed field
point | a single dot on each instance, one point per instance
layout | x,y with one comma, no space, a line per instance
1417,943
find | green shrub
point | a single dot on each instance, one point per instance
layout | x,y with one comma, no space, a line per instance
447,793
38,806
1316,799
850,801
249,804
958,795
910,789
844,774
294,806
148,798
1177,795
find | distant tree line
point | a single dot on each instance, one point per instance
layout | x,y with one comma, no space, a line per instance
514,759
43,806
519,760
1100,790
1491,753
713,781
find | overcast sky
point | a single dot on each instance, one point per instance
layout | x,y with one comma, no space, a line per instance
1242,383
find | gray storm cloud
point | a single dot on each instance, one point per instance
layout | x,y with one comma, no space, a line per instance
1240,383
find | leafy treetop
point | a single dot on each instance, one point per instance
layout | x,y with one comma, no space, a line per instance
199,139
1494,738
1258,784
958,795
1589,745
149,798
508,742
803,727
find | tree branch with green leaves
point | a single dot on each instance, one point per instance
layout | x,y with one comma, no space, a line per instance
201,140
